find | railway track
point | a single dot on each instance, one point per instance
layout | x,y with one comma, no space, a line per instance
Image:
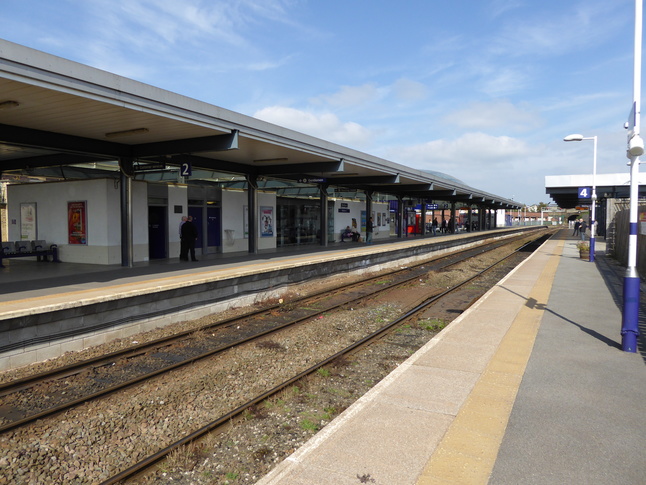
412,314
254,325
26,400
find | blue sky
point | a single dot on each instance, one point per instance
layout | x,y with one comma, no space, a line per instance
482,90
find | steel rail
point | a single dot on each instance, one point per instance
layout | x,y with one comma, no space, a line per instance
143,377
161,454
132,351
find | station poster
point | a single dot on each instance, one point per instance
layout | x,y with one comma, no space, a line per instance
266,222
77,222
28,227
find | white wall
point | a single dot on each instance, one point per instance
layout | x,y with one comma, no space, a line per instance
343,219
233,218
103,198
103,218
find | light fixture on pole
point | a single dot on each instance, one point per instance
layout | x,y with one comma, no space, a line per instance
630,312
593,196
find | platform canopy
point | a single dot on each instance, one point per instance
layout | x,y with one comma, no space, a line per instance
64,119
569,191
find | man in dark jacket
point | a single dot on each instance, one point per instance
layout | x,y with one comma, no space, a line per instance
188,238
582,228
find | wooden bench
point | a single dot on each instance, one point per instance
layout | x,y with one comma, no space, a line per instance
23,249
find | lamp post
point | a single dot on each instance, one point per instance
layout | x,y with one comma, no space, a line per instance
630,316
593,196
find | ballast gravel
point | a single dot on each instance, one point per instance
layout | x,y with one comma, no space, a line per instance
89,443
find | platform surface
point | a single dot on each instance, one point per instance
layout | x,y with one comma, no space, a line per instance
48,309
529,386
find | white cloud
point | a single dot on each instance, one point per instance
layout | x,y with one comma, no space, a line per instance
495,115
351,96
490,163
220,35
268,64
498,80
499,7
572,29
325,125
402,89
471,151
408,90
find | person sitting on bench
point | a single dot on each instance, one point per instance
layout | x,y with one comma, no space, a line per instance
347,233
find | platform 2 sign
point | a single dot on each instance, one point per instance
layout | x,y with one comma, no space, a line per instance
585,192
186,170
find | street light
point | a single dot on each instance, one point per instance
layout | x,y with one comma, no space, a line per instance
630,315
577,137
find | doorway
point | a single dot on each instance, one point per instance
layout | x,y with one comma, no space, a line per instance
213,238
157,232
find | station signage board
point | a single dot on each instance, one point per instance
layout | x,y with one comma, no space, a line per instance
585,192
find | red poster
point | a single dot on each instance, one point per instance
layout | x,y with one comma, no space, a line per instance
77,222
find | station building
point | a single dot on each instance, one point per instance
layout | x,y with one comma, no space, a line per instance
105,167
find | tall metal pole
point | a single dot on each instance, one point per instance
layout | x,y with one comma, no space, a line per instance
630,317
594,200
127,252
593,196
252,203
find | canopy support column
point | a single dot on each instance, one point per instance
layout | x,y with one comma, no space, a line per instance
252,204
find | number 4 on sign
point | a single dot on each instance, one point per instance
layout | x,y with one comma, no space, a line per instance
585,192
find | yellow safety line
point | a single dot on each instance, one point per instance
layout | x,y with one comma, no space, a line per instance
468,450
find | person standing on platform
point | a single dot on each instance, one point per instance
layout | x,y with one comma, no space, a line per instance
434,226
582,229
183,248
369,228
189,236
577,224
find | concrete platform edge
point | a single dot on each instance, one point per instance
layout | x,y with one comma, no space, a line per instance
290,469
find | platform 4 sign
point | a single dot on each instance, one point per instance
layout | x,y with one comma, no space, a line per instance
585,192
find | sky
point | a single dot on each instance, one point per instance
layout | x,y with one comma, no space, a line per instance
482,90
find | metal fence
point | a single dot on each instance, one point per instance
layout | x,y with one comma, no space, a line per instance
618,231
